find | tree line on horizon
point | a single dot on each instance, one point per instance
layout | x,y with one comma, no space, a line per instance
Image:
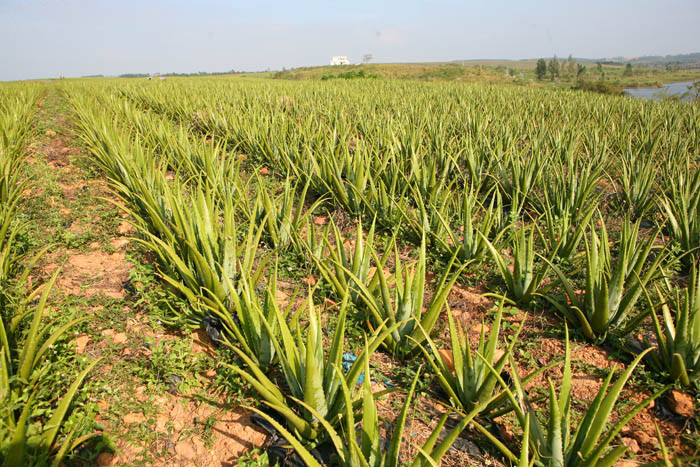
554,69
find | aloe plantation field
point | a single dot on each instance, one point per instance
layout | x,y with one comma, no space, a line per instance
243,271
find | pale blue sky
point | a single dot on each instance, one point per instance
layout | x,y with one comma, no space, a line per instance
53,38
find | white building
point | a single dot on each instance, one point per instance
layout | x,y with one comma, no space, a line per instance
340,60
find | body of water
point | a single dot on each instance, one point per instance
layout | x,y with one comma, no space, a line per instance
671,89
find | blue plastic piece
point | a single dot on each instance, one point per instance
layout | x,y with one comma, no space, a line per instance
348,360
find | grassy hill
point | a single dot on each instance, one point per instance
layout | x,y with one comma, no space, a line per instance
517,72
421,71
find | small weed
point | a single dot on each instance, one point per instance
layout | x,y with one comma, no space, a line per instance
254,458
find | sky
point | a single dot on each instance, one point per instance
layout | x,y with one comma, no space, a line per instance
71,38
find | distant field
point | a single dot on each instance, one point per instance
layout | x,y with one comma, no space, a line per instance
424,71
521,72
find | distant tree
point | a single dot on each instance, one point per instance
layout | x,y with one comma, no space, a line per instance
628,70
599,67
541,69
570,67
366,58
553,68
581,70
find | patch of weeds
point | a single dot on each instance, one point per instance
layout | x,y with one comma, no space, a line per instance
254,458
151,297
143,272
289,266
402,375
172,366
76,241
87,165
524,355
354,328
206,429
510,311
88,452
228,383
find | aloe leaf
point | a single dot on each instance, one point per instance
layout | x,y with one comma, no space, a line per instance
306,456
496,442
554,438
28,354
65,446
678,370
259,379
371,442
605,442
524,459
313,366
17,446
606,406
55,335
392,455
56,420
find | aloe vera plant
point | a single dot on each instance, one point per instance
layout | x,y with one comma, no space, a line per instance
421,217
311,241
562,234
244,315
281,217
384,195
678,333
22,370
346,178
637,178
571,191
401,304
560,442
519,175
310,377
368,451
344,267
568,201
200,254
611,293
468,381
681,204
468,238
524,280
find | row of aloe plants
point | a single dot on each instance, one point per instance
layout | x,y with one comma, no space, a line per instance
188,234
31,427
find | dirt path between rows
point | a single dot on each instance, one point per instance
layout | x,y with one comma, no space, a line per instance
152,395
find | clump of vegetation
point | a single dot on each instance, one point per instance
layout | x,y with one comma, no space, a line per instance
445,72
352,74
601,87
